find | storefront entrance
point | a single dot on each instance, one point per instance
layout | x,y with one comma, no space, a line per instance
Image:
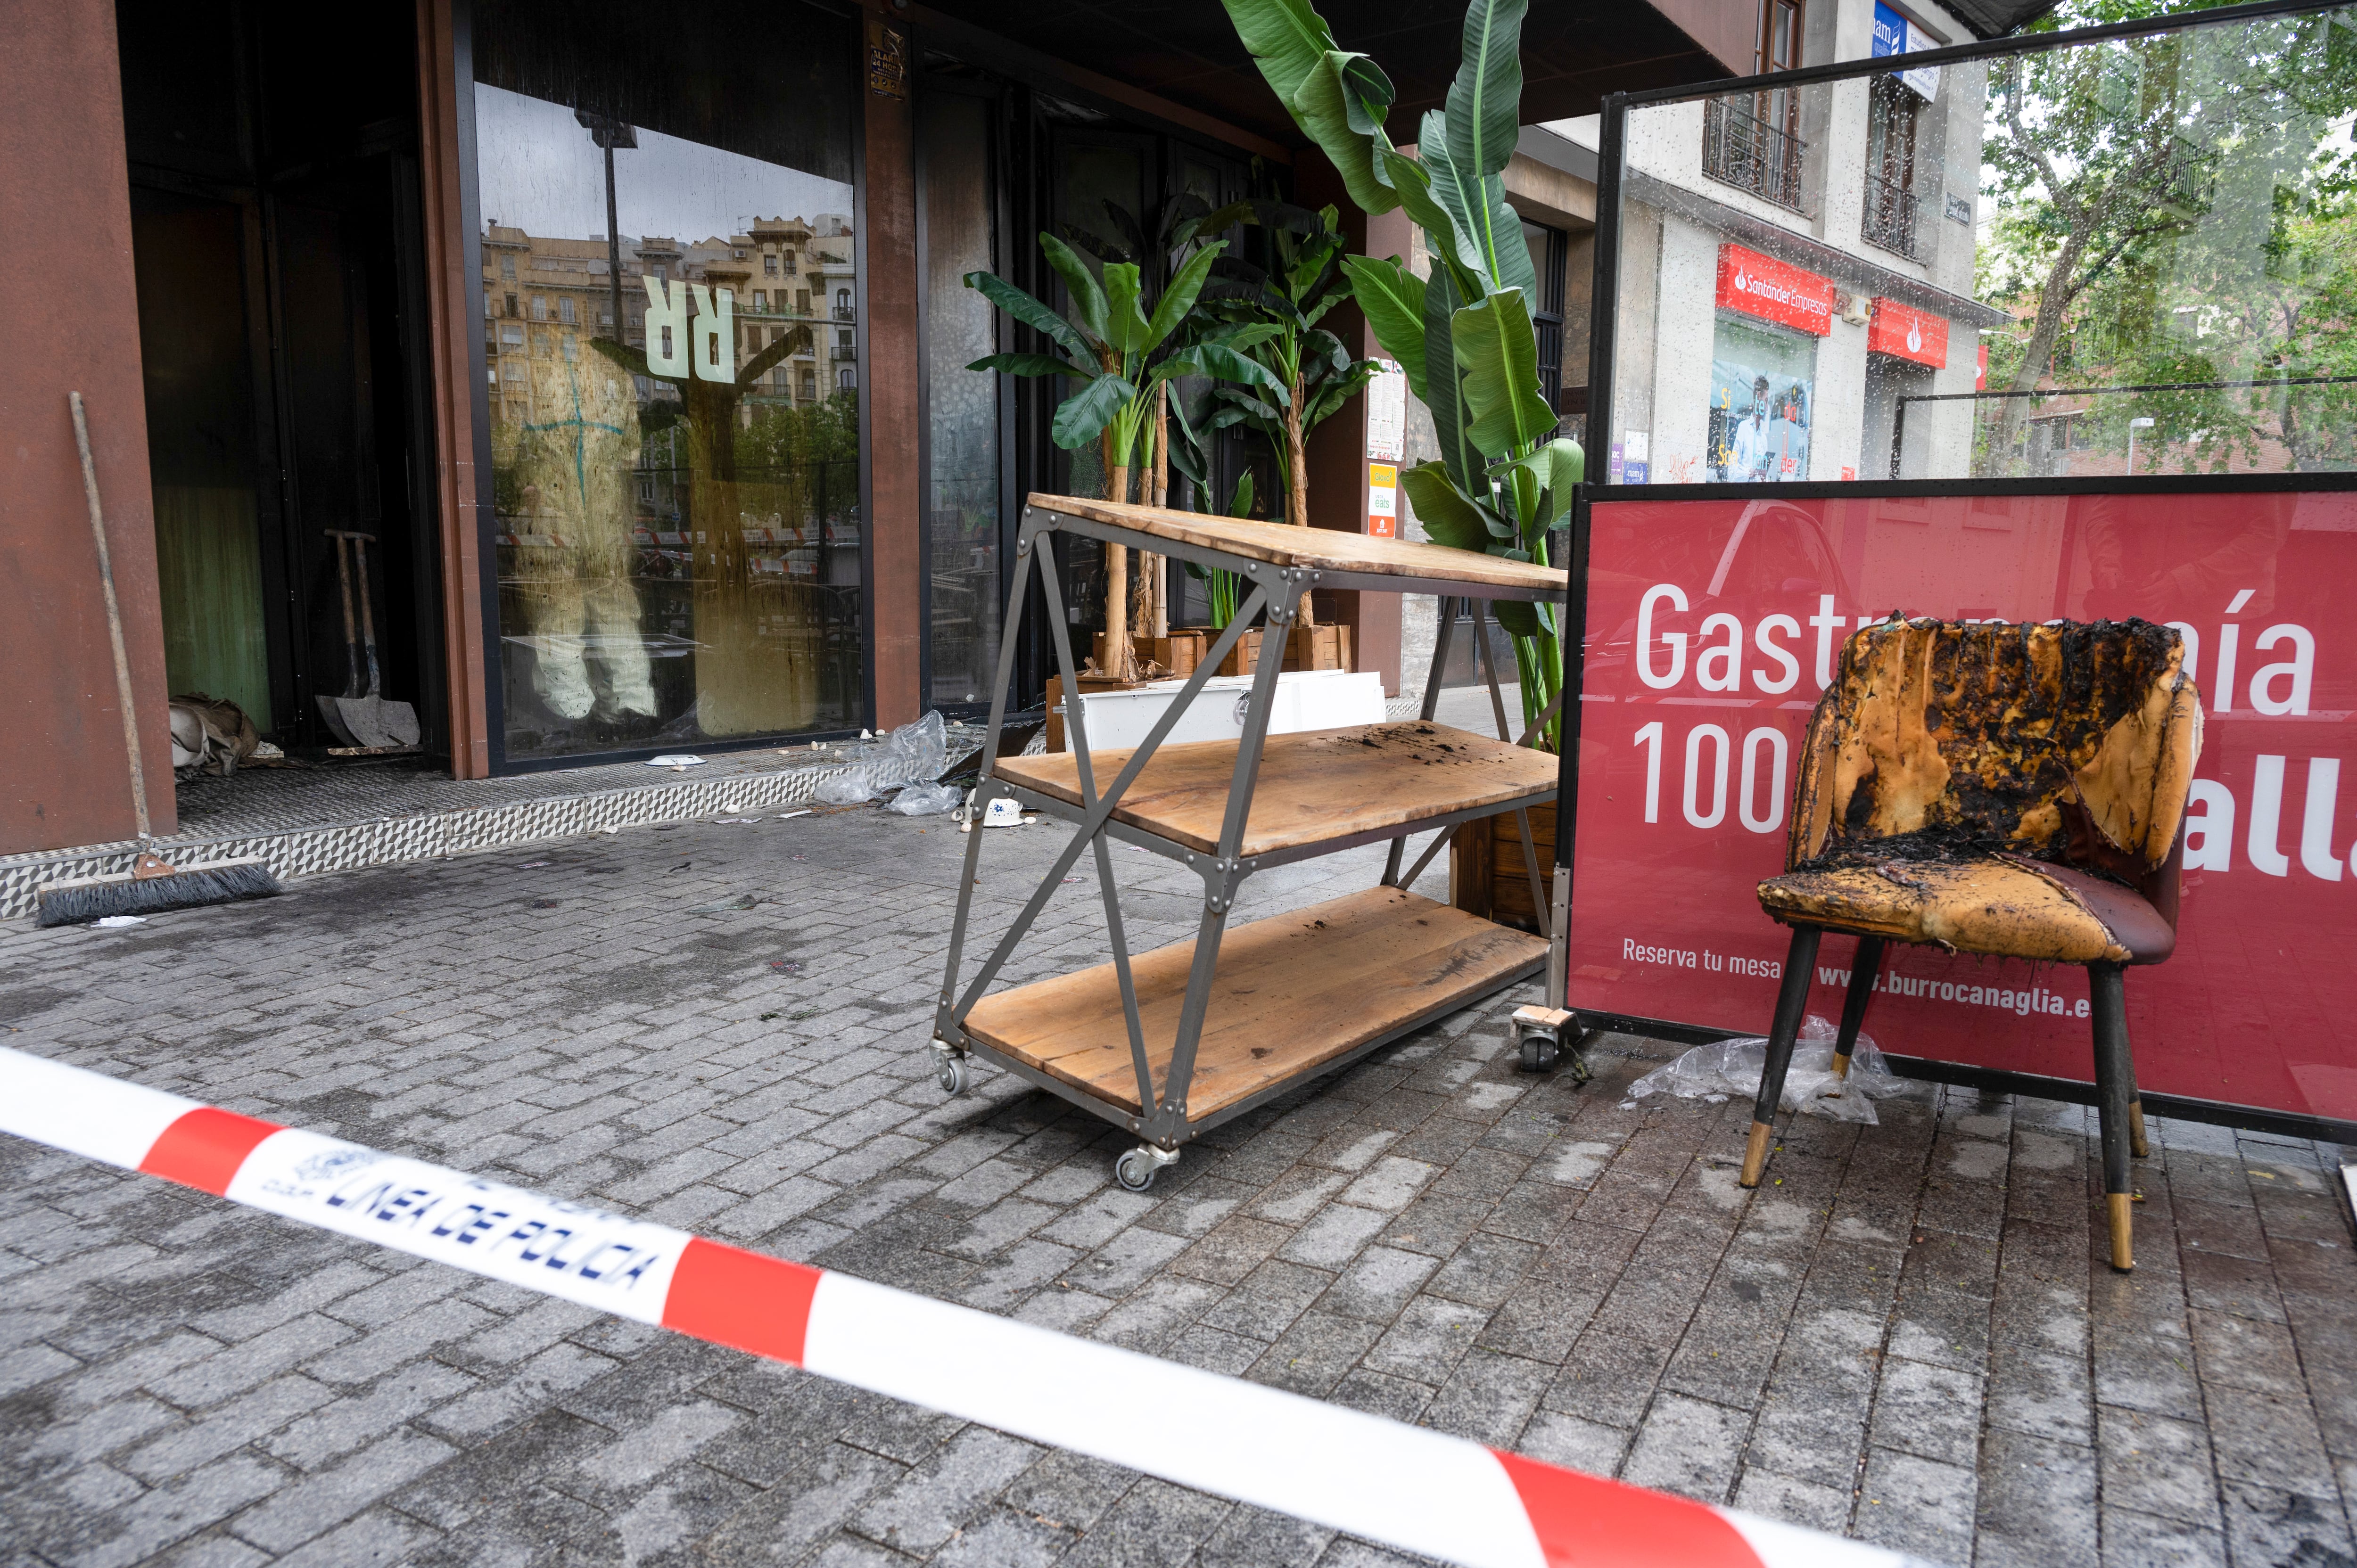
280,295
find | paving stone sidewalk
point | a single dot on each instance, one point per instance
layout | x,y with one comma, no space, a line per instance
1912,1337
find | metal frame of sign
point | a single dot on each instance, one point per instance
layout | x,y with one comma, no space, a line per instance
1604,318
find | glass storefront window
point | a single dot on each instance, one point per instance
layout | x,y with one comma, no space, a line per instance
962,502
674,457
2124,255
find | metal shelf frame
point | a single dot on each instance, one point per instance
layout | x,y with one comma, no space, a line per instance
1273,601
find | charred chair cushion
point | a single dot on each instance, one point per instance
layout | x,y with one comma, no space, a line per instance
1992,789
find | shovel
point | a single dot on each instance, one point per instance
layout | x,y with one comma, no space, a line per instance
367,719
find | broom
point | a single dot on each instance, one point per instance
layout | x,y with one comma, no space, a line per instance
150,883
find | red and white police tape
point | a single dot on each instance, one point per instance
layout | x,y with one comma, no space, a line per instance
1405,1486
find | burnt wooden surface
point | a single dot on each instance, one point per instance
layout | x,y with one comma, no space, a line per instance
1315,786
1317,549
1289,994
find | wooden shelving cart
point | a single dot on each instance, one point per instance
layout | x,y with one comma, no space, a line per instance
1171,1043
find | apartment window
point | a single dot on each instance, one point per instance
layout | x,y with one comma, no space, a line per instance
1548,249
540,308
490,310
760,299
802,302
737,254
770,264
846,379
564,310
511,336
507,268
843,302
512,311
1892,111
809,384
1753,141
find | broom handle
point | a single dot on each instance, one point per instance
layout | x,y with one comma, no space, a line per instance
114,619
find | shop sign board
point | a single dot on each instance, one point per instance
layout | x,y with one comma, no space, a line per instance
1895,35
1387,412
1382,500
1713,626
1908,333
1774,291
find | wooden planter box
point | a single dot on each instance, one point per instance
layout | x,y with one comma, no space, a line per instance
1486,874
1177,654
1318,648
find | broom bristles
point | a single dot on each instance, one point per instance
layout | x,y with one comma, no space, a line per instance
78,902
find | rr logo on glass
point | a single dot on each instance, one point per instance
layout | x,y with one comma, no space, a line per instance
707,350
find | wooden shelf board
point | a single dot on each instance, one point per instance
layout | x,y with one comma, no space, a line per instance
1317,549
1289,994
1314,786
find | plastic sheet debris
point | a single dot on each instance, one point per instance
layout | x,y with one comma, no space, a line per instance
116,922
925,799
913,753
790,816
1729,1069
844,789
675,759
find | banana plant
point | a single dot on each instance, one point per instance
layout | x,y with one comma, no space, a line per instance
1303,281
1115,349
1191,455
1463,335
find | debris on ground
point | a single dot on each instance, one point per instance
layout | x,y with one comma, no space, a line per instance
1730,1070
925,799
844,789
116,922
675,759
790,816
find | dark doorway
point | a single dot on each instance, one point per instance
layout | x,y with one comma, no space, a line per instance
277,241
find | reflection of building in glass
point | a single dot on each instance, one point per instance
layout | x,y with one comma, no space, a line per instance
1797,262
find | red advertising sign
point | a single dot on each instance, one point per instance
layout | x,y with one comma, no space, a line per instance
1904,331
1774,291
1714,625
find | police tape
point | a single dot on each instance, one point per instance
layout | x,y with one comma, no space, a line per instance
1404,1486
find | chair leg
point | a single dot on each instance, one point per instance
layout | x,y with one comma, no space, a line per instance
2115,1099
1863,970
1791,1002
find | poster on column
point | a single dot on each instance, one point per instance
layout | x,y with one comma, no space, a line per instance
1713,626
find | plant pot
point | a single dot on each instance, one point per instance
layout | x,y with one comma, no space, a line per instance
1243,658
1318,648
1176,655
1486,874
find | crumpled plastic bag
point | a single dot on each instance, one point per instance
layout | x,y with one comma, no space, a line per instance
926,799
914,753
844,789
1730,1070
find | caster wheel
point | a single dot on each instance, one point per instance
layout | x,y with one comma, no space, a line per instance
951,1076
1539,1053
1133,1170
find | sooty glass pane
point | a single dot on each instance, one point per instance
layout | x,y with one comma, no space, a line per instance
670,349
962,502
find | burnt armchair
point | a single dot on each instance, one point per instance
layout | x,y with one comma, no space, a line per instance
2014,791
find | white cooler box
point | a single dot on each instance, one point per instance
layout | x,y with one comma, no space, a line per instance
1305,700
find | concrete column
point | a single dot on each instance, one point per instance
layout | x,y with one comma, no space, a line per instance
70,320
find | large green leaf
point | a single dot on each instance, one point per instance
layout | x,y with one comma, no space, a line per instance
1485,100
1032,314
1334,106
1414,182
1288,39
1489,233
1518,618
1031,365
1088,297
1443,382
1449,516
1085,413
1504,408
1214,359
1392,298
1178,298
1125,325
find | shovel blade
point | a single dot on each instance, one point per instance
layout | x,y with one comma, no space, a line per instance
331,709
363,718
400,721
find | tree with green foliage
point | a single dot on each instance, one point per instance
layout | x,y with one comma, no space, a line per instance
1464,335
2174,210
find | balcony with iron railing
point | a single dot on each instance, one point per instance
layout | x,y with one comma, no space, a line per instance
1741,149
1888,220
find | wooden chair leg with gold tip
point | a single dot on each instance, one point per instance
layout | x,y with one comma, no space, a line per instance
2115,1103
1862,971
1792,1003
